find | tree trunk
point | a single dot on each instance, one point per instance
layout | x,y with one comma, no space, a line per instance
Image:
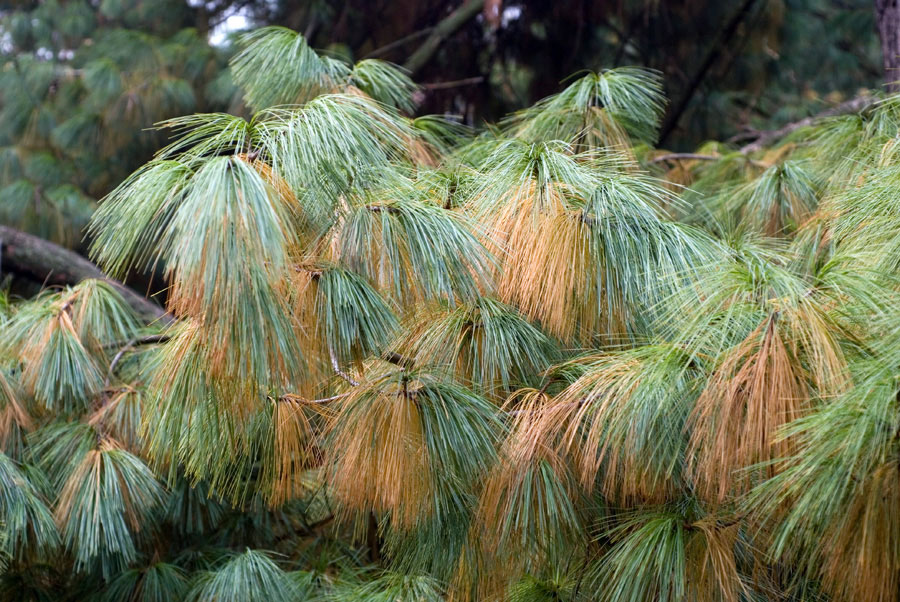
887,20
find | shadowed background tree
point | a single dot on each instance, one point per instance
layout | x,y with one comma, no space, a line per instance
82,83
728,66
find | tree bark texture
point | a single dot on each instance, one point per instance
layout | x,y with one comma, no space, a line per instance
50,263
887,20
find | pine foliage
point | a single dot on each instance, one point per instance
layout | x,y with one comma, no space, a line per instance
411,362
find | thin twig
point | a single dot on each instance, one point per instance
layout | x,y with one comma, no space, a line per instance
390,356
854,105
732,521
300,399
561,405
146,340
114,363
395,358
388,47
150,339
380,208
712,53
337,368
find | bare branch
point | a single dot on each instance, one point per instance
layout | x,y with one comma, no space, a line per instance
396,43
713,52
337,368
396,358
50,263
299,399
145,340
854,105
684,157
765,137
469,81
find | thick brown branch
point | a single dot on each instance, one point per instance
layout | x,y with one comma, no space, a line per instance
50,263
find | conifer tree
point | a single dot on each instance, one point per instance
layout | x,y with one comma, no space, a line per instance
407,361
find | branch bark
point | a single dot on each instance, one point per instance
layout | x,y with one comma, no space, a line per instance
397,43
468,81
762,138
854,105
397,359
50,263
887,20
146,340
337,368
446,28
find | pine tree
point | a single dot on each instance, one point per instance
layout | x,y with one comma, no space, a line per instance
406,361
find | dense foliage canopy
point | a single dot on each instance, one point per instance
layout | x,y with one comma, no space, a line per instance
407,361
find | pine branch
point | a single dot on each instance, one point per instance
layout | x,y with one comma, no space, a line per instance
396,358
702,157
50,263
854,105
291,397
397,43
468,81
684,156
765,137
337,368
